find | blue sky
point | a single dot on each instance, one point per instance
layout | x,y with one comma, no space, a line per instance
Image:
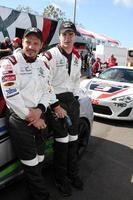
109,17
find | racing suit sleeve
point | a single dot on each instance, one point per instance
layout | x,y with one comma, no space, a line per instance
77,80
44,99
49,96
52,97
11,93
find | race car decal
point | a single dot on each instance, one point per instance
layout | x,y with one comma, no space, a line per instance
106,95
95,101
106,87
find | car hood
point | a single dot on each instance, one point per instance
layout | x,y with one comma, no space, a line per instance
103,89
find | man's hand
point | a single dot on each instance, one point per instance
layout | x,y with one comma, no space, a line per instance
39,124
60,112
34,115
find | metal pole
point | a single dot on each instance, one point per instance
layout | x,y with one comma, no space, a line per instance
74,16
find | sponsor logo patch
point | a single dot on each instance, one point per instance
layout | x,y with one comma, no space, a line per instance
76,61
60,63
7,67
10,77
8,84
28,68
7,72
11,92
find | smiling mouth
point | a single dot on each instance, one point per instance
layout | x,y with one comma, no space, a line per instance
66,42
31,51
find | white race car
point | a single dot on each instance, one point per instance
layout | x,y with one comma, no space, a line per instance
111,93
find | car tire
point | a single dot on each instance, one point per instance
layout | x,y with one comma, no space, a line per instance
84,136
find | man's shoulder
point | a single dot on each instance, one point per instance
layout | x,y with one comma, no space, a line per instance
76,52
49,53
12,59
42,63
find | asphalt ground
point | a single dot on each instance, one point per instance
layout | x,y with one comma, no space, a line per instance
106,169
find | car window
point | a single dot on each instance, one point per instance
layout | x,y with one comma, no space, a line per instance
118,75
108,74
129,76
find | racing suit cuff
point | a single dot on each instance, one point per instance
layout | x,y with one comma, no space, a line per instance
41,107
54,105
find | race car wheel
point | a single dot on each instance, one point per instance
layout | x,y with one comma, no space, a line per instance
84,135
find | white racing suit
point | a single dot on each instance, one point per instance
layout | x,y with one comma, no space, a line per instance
26,85
65,79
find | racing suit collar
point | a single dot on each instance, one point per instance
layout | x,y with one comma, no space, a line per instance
28,59
63,51
68,56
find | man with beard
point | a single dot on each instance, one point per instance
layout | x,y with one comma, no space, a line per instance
24,82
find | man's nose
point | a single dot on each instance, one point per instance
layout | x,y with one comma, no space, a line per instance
30,46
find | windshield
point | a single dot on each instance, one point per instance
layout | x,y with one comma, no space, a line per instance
118,75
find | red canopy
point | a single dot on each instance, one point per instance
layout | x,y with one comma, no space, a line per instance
93,35
86,33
